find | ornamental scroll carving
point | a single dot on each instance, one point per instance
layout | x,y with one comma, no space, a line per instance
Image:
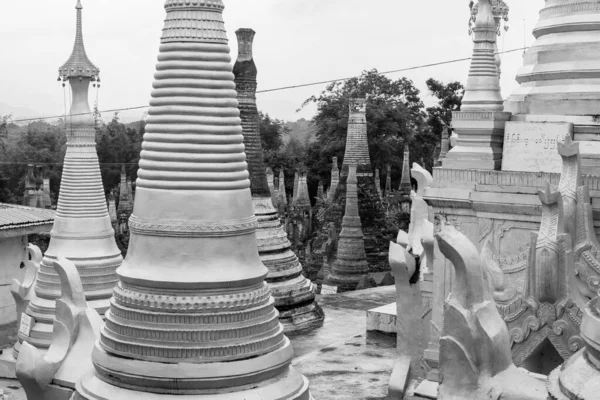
193,229
540,295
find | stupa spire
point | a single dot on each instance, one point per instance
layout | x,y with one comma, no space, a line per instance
482,91
303,199
78,64
480,122
294,294
192,315
357,145
281,195
351,263
82,231
405,184
335,179
388,180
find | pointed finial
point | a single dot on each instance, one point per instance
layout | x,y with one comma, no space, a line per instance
79,6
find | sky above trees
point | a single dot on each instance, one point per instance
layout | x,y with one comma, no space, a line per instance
297,41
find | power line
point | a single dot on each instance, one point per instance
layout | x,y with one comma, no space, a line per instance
48,163
288,87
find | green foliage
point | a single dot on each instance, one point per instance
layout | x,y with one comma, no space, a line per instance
271,132
449,99
118,144
39,143
395,115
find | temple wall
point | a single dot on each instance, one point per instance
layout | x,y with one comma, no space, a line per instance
12,253
500,206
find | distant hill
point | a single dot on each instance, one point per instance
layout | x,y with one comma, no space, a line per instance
301,130
17,112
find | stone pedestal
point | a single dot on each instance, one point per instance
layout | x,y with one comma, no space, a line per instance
480,139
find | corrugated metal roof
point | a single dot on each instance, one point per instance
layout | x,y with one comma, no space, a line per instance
13,216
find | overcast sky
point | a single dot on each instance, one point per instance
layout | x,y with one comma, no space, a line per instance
297,41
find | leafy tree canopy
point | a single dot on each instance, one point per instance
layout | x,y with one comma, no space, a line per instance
395,115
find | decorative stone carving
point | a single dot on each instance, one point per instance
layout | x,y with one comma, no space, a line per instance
294,294
579,377
541,295
420,227
475,357
82,229
192,316
76,328
23,292
534,297
408,320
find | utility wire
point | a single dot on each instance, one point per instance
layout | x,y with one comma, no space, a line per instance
49,163
288,87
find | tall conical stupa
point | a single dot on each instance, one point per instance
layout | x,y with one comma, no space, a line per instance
82,230
192,316
370,207
351,262
405,184
294,294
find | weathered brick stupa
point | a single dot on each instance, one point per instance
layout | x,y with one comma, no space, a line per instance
294,294
192,316
351,264
560,77
82,230
369,204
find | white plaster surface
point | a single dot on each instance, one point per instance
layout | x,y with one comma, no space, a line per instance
532,146
427,389
382,318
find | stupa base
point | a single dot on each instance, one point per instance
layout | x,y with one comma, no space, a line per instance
303,318
344,283
267,377
92,388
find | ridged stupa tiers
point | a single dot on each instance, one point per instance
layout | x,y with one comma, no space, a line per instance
480,123
79,65
351,262
192,315
294,294
82,230
357,145
561,70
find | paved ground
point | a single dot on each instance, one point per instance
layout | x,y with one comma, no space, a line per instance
341,361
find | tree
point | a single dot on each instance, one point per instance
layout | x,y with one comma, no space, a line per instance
395,115
271,132
118,144
449,99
